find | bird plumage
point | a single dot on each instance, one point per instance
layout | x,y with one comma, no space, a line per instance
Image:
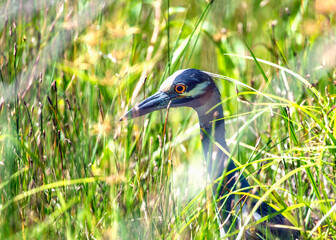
196,89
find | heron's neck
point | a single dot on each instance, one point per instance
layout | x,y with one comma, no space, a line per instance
211,119
212,128
215,149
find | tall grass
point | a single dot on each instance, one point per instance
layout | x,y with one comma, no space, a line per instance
70,69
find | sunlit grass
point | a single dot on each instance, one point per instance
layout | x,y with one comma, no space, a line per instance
70,69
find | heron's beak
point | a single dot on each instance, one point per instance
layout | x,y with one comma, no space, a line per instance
159,100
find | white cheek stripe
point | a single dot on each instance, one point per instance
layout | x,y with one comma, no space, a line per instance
198,90
166,85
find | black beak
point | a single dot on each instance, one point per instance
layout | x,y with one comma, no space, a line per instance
159,100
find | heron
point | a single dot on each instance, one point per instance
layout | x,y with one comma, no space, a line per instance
197,89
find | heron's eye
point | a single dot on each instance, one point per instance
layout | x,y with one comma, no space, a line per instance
180,88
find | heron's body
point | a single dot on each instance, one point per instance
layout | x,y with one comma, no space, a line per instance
196,89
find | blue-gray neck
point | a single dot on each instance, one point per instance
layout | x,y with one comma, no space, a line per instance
211,119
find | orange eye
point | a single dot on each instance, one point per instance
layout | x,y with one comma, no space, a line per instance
180,88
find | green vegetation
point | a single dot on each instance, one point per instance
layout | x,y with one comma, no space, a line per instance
68,71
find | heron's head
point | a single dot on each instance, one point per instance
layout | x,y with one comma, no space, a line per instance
187,87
